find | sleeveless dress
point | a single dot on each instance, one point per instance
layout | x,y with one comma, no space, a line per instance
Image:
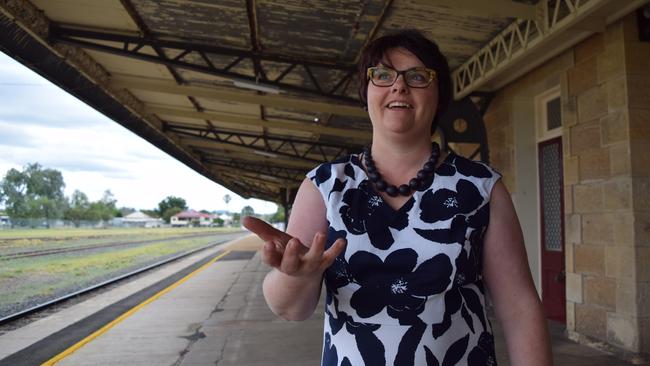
407,290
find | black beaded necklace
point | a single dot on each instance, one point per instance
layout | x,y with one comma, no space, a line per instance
404,189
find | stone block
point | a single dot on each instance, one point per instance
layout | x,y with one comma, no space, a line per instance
573,229
630,28
642,229
644,331
626,296
570,316
643,263
574,287
639,124
623,331
638,92
570,112
594,164
591,321
617,194
590,47
592,104
640,159
620,262
616,93
571,171
620,160
584,137
569,265
600,291
590,259
611,63
642,298
641,193
598,228
614,127
636,58
613,34
587,198
567,192
623,228
582,76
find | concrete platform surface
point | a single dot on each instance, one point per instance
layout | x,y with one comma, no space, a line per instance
219,317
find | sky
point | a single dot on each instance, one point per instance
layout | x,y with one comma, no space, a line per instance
40,123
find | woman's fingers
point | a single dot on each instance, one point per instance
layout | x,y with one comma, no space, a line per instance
291,257
329,256
265,231
270,255
296,260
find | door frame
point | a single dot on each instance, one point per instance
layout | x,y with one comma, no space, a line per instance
546,136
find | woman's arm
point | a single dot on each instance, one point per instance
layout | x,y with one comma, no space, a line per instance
508,279
298,259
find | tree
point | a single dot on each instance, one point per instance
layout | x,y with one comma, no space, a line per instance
34,192
80,208
247,211
170,212
77,207
104,209
226,199
278,216
171,202
236,217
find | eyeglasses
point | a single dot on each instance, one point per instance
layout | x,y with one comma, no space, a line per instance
416,77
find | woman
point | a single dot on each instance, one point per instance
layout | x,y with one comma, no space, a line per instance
405,260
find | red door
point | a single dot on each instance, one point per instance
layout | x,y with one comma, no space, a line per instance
552,228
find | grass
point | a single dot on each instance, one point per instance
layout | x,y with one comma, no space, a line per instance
50,276
65,233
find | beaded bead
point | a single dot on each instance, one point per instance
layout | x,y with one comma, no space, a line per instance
424,175
404,190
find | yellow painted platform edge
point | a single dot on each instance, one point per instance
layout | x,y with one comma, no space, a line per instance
70,350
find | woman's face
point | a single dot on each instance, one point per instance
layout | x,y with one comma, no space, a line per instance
416,115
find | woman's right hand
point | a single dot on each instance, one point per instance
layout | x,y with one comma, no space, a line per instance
288,255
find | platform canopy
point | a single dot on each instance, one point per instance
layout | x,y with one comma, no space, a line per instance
253,93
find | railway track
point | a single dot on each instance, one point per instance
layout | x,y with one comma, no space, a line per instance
48,304
36,253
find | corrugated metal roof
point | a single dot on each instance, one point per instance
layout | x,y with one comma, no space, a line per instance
190,72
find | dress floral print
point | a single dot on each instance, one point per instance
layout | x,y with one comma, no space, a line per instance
407,290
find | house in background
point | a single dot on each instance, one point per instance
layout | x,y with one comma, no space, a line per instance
140,219
191,218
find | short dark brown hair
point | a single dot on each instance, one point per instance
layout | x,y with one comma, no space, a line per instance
423,48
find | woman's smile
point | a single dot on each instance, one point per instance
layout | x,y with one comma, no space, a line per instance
400,108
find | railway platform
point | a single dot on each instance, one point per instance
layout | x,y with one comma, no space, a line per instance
210,313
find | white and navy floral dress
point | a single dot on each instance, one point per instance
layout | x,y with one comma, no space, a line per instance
408,288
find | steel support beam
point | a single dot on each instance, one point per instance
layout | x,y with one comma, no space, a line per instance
237,121
235,95
299,149
134,46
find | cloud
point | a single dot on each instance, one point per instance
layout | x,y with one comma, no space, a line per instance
41,123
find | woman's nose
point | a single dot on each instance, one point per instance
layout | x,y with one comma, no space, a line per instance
399,86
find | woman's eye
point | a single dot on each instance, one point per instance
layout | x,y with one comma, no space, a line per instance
417,77
382,75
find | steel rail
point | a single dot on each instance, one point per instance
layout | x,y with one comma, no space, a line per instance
21,314
36,253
